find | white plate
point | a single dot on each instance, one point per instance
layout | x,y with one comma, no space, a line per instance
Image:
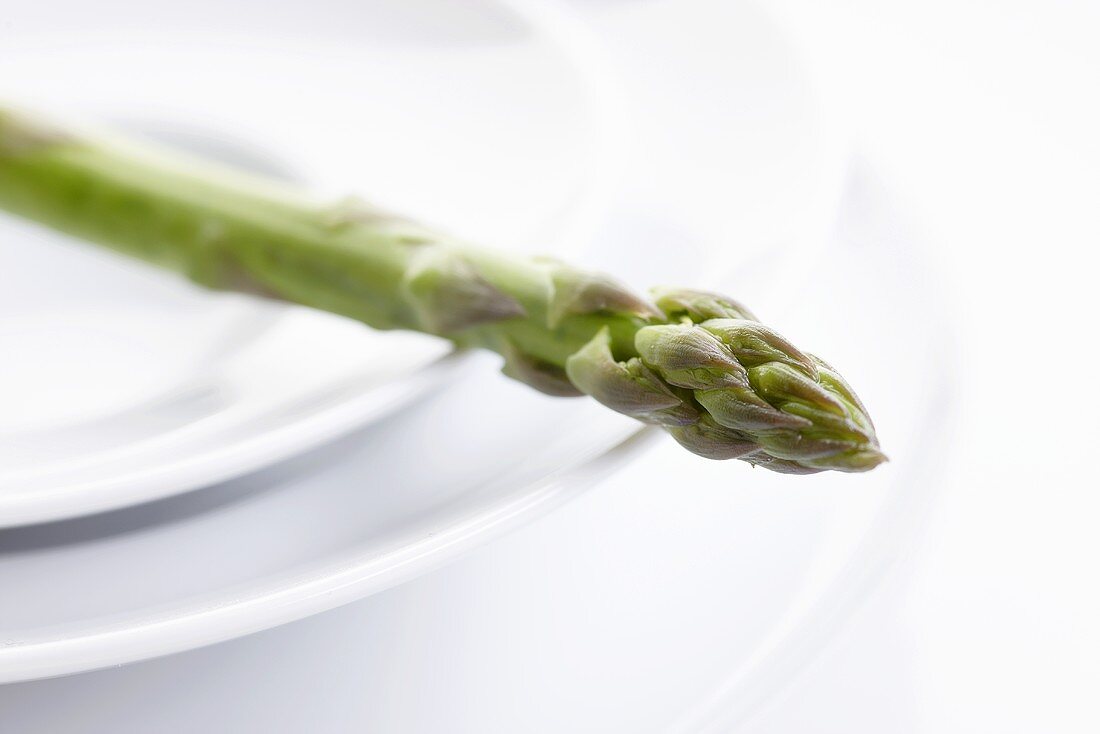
482,454
641,607
121,384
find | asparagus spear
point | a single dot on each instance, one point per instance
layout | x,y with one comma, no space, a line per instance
698,364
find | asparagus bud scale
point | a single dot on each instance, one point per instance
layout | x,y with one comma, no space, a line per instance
697,364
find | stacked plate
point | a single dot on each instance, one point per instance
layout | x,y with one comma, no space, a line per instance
179,468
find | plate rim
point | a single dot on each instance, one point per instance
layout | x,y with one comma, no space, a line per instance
325,588
208,468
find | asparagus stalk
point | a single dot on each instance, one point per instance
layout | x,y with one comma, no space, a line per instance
698,364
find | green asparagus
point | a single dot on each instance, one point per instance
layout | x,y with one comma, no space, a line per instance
697,364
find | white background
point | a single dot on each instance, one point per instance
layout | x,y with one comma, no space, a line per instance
983,119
